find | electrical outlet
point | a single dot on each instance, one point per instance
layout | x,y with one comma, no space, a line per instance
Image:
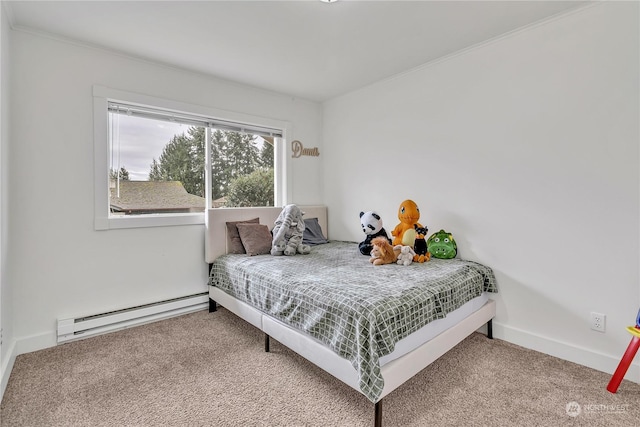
598,321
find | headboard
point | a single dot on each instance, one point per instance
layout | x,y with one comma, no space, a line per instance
215,238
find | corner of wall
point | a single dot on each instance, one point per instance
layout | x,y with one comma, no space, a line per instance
7,367
7,342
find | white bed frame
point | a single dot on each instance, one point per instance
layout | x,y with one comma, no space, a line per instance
395,372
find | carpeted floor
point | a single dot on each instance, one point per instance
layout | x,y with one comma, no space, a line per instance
208,369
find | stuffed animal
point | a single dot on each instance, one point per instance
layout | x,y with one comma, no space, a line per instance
404,233
420,245
442,245
382,252
405,257
372,227
288,233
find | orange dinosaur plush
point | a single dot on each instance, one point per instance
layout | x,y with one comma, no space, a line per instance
382,252
405,232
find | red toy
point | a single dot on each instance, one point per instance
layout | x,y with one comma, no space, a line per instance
627,358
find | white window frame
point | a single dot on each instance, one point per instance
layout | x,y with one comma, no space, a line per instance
102,95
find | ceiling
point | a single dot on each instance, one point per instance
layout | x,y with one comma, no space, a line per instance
307,49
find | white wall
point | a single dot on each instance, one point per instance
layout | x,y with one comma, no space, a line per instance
58,265
7,346
526,149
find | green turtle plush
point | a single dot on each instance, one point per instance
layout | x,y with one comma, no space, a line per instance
442,245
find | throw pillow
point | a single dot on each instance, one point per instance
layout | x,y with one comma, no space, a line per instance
233,237
256,238
313,232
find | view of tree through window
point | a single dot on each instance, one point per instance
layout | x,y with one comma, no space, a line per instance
161,167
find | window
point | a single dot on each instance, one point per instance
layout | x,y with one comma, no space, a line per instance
159,162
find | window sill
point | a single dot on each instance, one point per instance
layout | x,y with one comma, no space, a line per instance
154,220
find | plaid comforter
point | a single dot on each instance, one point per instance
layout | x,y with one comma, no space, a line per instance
358,310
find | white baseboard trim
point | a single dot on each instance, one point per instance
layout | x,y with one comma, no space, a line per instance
582,356
35,342
7,367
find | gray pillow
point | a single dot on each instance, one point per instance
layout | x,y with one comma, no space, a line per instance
235,244
256,238
313,232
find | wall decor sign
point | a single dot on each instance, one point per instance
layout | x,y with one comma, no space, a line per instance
298,150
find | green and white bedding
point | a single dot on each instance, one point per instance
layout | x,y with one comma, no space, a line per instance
338,297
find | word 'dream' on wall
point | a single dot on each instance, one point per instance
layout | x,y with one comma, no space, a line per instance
299,150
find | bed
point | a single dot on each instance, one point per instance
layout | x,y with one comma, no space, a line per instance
372,327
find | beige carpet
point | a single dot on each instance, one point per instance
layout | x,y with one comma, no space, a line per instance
211,370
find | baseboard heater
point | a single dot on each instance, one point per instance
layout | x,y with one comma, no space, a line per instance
88,326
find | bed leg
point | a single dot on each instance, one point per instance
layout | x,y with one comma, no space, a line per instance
377,421
266,343
212,306
490,329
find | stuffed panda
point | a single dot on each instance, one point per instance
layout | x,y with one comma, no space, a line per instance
372,227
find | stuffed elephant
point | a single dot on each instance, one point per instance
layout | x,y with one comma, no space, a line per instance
288,233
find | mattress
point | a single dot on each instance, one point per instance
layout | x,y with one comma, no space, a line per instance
434,328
